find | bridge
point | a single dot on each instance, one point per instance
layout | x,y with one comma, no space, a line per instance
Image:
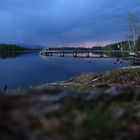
87,52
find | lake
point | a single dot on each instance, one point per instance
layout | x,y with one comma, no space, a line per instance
32,69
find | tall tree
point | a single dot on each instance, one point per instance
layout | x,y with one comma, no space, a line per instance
133,26
129,40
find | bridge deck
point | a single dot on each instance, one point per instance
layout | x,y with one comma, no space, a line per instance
81,51
85,51
75,52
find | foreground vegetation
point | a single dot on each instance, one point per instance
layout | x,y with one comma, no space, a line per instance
89,106
126,77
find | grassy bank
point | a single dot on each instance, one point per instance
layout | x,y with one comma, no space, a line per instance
124,77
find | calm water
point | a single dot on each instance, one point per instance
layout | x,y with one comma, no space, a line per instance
32,69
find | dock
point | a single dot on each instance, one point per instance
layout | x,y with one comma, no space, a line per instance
86,52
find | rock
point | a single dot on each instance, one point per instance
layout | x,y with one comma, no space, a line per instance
92,96
101,86
40,111
122,94
50,126
52,98
115,91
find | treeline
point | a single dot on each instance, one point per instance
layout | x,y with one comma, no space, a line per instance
11,47
78,48
68,48
114,46
125,45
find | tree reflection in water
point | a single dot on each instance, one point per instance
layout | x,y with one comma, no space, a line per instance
5,55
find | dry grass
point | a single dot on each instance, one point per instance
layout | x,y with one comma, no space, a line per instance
128,77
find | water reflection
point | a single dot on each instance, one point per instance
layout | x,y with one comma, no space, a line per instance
5,55
119,61
135,61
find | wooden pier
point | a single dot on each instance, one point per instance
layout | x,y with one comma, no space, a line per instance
86,52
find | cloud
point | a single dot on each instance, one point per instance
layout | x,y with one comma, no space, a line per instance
62,22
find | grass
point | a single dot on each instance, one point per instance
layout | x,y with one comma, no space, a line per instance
78,87
99,122
131,111
124,77
85,78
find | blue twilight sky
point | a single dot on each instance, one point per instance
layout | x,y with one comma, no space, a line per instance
56,23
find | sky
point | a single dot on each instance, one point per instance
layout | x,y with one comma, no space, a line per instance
66,23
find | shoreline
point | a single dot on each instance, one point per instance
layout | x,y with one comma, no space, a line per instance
97,78
87,82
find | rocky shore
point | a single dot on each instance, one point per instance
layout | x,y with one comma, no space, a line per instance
87,107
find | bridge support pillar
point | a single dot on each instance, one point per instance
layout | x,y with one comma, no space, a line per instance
75,54
87,54
62,54
101,54
47,54
118,54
